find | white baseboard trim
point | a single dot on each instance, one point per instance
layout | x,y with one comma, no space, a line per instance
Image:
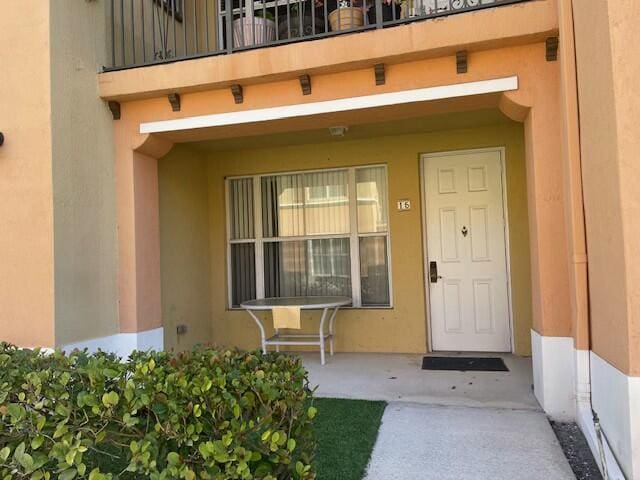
616,399
122,344
585,422
553,375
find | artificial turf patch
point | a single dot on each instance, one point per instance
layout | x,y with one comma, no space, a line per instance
346,431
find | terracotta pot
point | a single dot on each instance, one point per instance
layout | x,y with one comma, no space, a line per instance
346,17
249,31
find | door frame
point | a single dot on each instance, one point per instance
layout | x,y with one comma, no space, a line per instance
424,157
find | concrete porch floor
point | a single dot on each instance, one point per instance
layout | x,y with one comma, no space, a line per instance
399,377
447,425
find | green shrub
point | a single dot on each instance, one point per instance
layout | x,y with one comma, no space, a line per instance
205,414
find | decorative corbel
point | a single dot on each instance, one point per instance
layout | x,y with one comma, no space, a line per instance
174,100
305,84
461,61
379,71
236,90
115,109
551,53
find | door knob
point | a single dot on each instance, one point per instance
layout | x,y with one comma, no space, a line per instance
433,272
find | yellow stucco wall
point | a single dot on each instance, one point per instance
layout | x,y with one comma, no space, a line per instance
400,329
185,256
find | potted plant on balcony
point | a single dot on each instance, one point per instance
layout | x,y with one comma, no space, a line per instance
391,10
301,20
256,29
349,14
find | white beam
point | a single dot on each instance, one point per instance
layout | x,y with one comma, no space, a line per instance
457,90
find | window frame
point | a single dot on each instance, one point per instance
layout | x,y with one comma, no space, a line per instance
353,235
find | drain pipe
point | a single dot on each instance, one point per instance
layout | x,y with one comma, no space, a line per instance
584,382
603,457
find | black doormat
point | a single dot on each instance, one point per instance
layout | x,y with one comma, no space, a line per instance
464,364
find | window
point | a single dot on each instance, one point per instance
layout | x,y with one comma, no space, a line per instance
312,233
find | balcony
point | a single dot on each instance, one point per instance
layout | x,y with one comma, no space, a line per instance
148,32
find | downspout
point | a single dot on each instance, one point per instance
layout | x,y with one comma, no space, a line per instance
582,330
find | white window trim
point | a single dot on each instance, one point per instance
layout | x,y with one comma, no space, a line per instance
353,234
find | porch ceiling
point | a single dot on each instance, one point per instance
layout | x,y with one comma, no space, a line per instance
320,134
407,113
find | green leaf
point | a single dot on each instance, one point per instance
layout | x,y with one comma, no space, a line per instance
173,459
68,474
70,456
291,445
110,399
26,461
16,412
4,453
36,442
42,420
96,475
19,452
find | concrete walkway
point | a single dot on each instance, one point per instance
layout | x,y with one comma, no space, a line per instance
447,425
422,442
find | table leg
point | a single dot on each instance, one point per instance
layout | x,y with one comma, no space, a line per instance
263,337
321,338
331,320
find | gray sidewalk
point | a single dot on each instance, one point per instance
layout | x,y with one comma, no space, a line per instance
447,425
425,442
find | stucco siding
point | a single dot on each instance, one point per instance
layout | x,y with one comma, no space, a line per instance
26,215
609,146
184,248
84,205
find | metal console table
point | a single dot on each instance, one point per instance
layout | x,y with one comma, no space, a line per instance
328,305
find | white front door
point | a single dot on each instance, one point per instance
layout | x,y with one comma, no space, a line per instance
466,252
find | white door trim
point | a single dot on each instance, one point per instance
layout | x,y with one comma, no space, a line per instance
425,255
481,87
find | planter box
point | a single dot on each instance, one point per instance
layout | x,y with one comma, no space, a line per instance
249,31
345,18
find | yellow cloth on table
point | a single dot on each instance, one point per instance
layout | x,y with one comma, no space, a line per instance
286,317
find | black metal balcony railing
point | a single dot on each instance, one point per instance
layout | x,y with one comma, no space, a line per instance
145,32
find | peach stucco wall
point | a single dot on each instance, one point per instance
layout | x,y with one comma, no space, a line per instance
608,69
507,25
26,210
536,103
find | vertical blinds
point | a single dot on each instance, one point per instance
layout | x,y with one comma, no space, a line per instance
305,204
314,208
241,198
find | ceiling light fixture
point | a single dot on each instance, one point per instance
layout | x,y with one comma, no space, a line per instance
338,131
